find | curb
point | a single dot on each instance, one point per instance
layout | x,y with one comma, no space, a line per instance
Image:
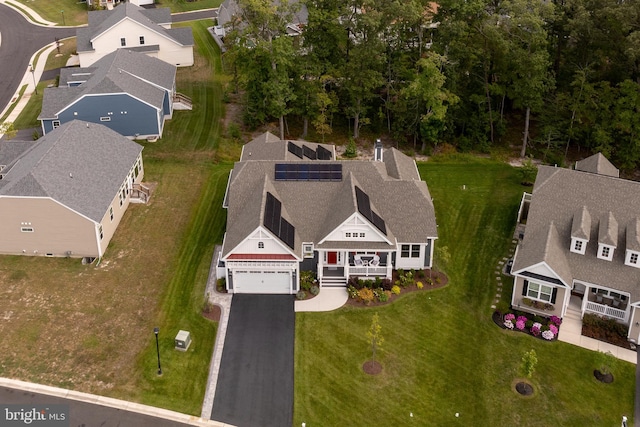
110,402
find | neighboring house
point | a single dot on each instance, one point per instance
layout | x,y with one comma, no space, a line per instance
65,194
132,27
580,247
293,207
105,3
126,91
229,15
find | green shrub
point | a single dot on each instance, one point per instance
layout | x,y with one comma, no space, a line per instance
502,307
307,280
396,290
421,274
351,150
352,291
528,324
355,282
301,295
315,290
383,296
221,284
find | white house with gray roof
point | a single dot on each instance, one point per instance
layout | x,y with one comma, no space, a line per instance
581,244
230,16
293,207
128,26
126,91
65,194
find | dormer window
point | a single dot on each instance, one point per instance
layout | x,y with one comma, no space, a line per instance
578,246
632,259
605,252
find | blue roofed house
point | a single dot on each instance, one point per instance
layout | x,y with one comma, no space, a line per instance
131,27
126,91
293,207
579,250
65,194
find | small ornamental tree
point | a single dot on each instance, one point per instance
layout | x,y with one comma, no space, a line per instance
529,362
441,258
375,336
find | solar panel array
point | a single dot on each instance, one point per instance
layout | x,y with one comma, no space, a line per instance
295,149
364,207
320,153
308,172
275,223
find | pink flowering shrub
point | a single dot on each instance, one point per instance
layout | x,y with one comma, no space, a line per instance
510,316
536,329
548,335
553,328
508,324
520,324
556,320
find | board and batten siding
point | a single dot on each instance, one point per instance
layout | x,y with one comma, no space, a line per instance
57,230
127,115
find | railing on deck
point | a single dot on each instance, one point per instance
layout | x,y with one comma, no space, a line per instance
606,310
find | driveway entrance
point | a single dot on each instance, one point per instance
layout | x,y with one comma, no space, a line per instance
255,384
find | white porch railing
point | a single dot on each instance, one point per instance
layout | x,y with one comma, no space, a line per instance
606,310
367,271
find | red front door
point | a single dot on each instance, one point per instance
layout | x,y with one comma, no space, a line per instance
332,257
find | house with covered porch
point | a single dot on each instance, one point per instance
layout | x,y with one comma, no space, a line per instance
580,248
293,207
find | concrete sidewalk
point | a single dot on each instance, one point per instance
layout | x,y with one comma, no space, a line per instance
328,299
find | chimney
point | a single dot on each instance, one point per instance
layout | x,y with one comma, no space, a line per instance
377,151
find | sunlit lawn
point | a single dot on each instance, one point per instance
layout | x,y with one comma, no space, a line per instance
442,353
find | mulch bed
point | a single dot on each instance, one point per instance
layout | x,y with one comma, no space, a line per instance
524,388
498,320
602,334
372,367
444,280
213,314
603,378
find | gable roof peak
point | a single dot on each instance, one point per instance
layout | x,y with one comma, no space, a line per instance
581,225
598,164
608,230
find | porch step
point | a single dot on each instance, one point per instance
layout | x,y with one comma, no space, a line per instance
572,314
334,282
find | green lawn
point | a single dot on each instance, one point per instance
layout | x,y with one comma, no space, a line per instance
90,328
442,353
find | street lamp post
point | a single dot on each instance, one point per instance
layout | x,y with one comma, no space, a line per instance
34,77
155,331
63,23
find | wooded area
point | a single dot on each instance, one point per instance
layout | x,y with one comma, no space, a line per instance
562,73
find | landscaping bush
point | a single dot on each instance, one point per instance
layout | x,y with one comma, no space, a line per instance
396,289
315,290
502,307
352,291
353,281
387,284
301,295
351,149
381,294
307,280
405,279
221,284
419,285
366,295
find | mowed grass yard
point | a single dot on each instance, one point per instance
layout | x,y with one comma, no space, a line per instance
442,353
90,328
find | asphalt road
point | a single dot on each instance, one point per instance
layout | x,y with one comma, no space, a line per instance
195,15
20,40
83,414
255,386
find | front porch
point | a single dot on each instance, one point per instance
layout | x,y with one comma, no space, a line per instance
601,301
335,268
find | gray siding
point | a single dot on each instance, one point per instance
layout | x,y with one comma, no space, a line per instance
427,254
129,116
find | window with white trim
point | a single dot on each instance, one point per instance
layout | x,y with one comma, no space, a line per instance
55,124
347,234
260,245
415,251
123,41
100,231
405,251
539,292
578,246
633,258
141,39
111,212
105,119
307,250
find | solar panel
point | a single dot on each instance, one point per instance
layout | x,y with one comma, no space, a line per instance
364,207
323,154
275,223
308,172
379,223
295,149
308,152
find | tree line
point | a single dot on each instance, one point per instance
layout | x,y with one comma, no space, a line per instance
565,73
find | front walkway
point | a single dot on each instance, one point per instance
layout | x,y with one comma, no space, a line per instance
328,299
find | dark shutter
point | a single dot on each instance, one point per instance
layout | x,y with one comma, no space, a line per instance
553,295
525,288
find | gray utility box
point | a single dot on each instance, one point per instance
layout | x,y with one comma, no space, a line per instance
183,340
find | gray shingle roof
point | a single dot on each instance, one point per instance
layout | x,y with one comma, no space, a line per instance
316,208
608,230
81,165
557,195
581,225
121,71
597,164
229,8
267,146
102,20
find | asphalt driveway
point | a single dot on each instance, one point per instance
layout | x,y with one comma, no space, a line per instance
255,385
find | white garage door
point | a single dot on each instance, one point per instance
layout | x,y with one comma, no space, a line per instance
262,282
